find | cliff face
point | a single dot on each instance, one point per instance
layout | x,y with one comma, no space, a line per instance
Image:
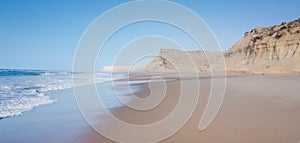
274,49
267,49
185,61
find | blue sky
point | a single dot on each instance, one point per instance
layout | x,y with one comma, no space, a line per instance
43,34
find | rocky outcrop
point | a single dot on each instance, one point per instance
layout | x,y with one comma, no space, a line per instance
265,50
185,61
274,49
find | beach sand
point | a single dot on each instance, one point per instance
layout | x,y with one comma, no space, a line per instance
256,109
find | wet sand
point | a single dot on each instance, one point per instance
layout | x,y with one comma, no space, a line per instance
256,109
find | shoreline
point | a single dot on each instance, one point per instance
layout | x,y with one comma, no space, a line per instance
255,109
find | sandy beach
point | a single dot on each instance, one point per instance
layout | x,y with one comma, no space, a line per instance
256,109
149,71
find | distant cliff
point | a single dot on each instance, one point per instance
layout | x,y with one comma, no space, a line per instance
274,49
185,61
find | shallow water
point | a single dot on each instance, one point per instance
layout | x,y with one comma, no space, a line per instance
22,90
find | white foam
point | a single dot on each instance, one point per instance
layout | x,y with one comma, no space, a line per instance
22,93
15,107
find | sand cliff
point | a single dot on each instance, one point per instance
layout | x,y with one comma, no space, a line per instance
274,49
267,50
184,61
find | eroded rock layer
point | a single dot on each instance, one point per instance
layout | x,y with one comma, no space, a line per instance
274,49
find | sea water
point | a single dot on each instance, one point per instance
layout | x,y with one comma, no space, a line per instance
22,90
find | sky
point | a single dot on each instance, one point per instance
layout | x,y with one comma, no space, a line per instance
43,34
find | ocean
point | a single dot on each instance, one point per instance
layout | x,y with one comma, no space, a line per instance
23,90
